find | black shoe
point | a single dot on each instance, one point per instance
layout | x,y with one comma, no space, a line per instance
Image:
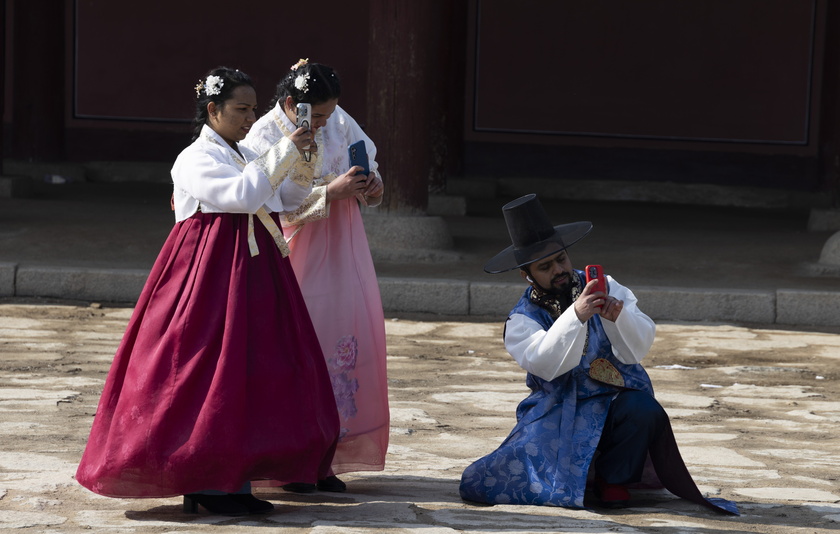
254,505
333,484
300,487
216,504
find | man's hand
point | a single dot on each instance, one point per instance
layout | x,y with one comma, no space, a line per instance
612,308
589,303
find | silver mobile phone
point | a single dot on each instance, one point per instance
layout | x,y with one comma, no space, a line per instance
303,112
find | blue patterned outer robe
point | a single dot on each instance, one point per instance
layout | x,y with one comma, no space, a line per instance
546,458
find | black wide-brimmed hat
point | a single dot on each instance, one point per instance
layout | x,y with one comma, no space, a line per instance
533,235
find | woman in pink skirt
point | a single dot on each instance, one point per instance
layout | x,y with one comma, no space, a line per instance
219,379
332,261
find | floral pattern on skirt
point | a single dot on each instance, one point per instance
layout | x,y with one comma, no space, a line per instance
342,367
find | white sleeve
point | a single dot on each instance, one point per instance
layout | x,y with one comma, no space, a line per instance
221,185
632,334
354,133
291,195
546,353
372,202
205,174
263,134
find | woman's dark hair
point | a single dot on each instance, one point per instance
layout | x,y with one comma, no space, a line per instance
321,86
229,79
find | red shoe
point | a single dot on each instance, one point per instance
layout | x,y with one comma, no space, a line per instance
611,495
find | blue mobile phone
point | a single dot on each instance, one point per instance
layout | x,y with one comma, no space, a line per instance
358,156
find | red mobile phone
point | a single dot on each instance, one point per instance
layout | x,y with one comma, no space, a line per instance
596,272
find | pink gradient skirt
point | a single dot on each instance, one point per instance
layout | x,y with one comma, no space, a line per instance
331,258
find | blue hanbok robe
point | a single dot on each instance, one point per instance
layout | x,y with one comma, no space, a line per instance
546,458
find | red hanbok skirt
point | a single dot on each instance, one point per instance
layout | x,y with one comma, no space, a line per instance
219,379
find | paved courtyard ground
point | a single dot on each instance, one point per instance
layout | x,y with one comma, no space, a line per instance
755,411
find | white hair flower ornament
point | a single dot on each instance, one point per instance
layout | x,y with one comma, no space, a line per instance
213,85
302,83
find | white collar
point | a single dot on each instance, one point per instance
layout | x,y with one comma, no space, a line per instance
211,135
281,117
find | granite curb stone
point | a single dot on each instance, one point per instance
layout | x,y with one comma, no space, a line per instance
679,304
688,304
494,298
814,308
420,295
463,297
7,279
112,285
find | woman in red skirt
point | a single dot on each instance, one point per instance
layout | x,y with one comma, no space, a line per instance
219,379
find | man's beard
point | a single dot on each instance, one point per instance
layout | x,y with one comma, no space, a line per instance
561,290
563,293
555,300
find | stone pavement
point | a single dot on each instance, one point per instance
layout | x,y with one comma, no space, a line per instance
755,411
97,241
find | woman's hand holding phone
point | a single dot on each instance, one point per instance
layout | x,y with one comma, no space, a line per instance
351,183
375,187
304,140
303,114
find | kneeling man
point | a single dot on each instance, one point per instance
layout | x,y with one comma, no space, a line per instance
591,405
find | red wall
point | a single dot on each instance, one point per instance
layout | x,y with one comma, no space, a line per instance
740,73
131,67
544,78
142,63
